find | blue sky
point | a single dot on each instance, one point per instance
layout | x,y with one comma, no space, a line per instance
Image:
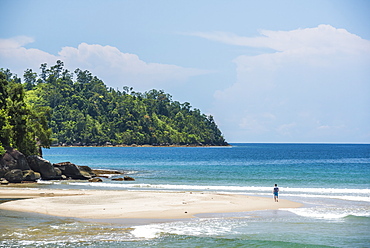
268,71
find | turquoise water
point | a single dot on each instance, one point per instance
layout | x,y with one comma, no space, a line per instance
331,180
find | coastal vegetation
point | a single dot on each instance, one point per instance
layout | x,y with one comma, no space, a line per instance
22,125
59,107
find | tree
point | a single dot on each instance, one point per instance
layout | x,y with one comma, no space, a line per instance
29,79
85,111
18,112
4,126
22,126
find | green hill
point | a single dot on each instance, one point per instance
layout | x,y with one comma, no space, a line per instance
84,111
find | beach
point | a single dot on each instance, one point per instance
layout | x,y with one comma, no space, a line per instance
121,204
196,197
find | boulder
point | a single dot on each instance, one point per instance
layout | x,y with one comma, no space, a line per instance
11,160
3,168
96,179
126,178
30,175
87,169
44,167
14,176
21,161
58,172
118,179
104,172
74,171
13,163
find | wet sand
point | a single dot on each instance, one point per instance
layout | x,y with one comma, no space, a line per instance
103,204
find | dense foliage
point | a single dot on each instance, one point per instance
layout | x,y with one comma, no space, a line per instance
22,126
86,112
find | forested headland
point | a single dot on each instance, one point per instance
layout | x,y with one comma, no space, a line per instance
59,107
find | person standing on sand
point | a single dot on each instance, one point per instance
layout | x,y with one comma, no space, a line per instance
276,193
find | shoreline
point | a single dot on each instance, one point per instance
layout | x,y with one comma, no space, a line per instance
134,145
122,204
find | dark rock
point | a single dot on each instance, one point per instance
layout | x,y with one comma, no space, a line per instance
126,178
30,175
96,179
3,167
87,169
21,160
74,171
58,172
100,171
13,163
118,179
11,160
103,176
14,176
44,167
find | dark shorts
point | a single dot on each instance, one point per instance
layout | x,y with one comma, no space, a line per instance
276,193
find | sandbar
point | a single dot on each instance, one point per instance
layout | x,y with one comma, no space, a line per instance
124,204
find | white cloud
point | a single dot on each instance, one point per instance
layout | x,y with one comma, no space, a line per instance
16,42
322,71
108,63
15,56
324,38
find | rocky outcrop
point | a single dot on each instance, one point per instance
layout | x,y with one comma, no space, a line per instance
18,176
14,176
44,167
12,160
16,168
74,171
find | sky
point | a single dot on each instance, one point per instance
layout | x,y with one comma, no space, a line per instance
267,71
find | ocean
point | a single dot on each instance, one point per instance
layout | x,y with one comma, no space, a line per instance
331,180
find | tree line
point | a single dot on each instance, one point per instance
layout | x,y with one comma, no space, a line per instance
59,107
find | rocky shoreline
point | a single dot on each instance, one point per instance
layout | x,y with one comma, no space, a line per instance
15,167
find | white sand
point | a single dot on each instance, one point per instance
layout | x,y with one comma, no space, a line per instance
99,204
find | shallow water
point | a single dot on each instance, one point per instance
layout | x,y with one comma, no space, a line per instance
330,180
